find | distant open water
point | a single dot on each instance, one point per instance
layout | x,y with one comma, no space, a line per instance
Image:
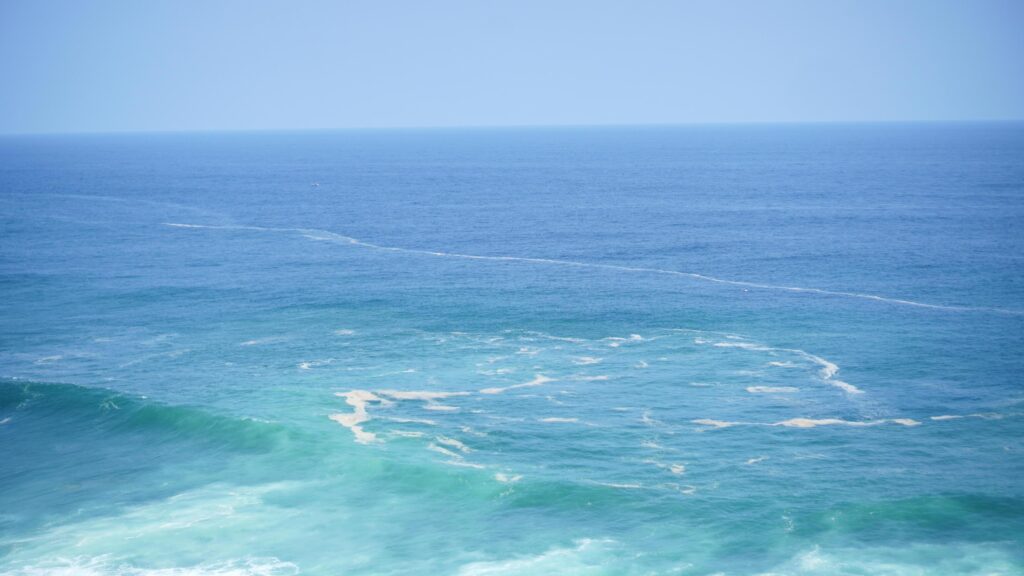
698,350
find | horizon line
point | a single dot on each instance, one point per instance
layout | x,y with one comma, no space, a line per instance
159,131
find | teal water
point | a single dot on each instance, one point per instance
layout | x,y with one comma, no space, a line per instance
705,350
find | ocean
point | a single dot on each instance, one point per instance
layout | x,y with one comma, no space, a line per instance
722,349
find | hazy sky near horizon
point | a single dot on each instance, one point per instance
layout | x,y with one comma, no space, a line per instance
85,65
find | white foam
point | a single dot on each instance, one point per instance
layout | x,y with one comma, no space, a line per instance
453,443
560,420
845,386
103,566
422,395
585,360
440,407
677,469
507,479
465,464
442,450
344,332
905,421
645,417
988,416
259,341
498,372
743,345
428,397
946,417
407,434
359,400
909,559
538,380
615,341
309,365
771,389
811,423
714,423
827,370
576,560
413,421
686,489
753,461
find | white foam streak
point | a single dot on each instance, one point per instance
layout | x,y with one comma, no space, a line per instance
323,235
554,561
714,423
811,423
539,380
453,443
103,566
771,389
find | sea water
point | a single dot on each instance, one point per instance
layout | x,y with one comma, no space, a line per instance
662,350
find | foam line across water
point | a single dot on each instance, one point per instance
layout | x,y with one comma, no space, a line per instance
326,236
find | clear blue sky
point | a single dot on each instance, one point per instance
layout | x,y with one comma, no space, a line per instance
82,65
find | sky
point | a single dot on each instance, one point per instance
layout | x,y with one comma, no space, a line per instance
154,65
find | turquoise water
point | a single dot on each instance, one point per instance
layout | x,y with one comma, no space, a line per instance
706,350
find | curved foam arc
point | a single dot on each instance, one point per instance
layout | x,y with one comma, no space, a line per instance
827,372
324,235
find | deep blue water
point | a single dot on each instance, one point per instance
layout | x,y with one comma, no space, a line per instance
693,350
